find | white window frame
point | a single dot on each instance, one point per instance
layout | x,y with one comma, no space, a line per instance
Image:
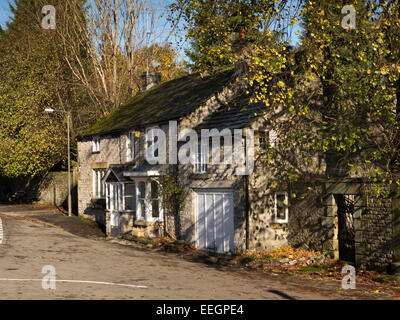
147,202
284,193
98,175
201,159
159,218
128,196
272,136
112,189
137,182
267,137
130,147
96,144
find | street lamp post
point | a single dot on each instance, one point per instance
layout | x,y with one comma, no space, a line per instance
69,156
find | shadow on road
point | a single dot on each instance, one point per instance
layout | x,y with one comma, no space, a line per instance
281,294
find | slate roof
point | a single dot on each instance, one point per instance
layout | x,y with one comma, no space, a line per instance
238,113
170,100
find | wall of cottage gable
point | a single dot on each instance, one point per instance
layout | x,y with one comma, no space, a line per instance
110,153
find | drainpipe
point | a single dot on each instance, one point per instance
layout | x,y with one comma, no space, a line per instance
246,183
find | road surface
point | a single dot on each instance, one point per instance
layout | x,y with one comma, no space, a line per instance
87,268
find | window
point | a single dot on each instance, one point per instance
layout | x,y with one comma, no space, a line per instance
154,199
281,207
98,186
267,139
148,201
129,196
114,197
141,200
142,196
96,144
201,159
130,147
120,197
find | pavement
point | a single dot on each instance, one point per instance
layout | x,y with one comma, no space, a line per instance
47,255
52,216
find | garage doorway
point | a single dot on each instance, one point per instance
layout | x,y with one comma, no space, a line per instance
214,227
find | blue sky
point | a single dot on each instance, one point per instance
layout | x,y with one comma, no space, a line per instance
4,12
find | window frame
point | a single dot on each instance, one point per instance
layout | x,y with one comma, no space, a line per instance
129,196
201,159
130,147
113,188
286,207
151,199
96,144
144,199
97,175
148,214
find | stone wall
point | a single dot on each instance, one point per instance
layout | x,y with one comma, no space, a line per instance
305,209
54,189
51,189
307,228
375,247
264,233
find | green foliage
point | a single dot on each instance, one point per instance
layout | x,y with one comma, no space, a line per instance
173,195
339,90
213,26
311,269
33,76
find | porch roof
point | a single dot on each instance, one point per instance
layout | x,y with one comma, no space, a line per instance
124,174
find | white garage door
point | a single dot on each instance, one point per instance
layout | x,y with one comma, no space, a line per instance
214,220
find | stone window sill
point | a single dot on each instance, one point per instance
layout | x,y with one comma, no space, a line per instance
278,225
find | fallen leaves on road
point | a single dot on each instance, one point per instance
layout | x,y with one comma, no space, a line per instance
308,264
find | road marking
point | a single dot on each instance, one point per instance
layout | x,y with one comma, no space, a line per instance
82,281
1,231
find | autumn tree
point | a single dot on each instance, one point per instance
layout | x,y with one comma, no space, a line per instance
119,37
337,88
33,76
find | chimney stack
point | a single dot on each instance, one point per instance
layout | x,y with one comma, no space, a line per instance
150,80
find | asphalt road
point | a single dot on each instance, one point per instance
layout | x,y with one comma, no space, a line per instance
101,269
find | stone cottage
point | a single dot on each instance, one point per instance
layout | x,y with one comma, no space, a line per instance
223,211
